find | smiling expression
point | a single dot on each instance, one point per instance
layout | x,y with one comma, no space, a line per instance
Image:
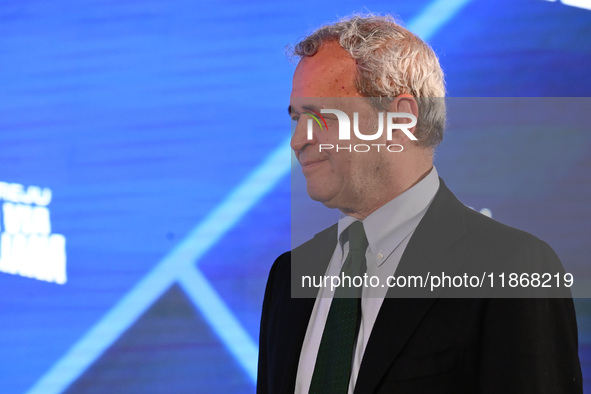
337,179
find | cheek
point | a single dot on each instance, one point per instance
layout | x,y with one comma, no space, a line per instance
360,166
341,165
331,132
325,136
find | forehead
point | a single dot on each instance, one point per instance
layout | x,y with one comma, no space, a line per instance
329,73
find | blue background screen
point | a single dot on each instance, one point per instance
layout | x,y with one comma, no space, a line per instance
144,172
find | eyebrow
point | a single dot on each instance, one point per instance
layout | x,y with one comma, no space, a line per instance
311,108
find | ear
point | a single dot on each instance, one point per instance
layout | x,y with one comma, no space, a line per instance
405,103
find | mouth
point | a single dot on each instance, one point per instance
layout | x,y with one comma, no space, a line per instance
308,165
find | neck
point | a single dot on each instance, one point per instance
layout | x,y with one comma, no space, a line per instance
365,208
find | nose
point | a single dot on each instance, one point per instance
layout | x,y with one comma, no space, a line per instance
299,139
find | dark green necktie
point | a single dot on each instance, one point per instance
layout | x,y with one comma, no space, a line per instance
333,363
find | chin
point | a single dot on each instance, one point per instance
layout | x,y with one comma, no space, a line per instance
321,196
318,195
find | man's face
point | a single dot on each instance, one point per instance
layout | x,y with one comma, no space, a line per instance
337,179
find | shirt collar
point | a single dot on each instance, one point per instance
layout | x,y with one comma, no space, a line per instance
387,227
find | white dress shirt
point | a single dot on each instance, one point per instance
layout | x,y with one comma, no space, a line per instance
388,231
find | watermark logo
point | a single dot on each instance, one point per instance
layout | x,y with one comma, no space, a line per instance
315,116
344,123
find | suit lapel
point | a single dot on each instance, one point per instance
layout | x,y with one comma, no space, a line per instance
398,318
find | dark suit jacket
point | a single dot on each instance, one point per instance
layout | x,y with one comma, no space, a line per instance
439,344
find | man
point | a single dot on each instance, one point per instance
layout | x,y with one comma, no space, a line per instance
398,219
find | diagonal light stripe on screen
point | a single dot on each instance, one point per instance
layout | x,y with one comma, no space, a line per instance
434,16
166,272
179,263
221,319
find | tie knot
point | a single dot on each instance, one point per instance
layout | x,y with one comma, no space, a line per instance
357,237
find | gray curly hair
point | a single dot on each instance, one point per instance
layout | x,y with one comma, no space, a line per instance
390,61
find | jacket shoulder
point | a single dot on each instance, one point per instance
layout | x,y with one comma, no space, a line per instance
498,237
